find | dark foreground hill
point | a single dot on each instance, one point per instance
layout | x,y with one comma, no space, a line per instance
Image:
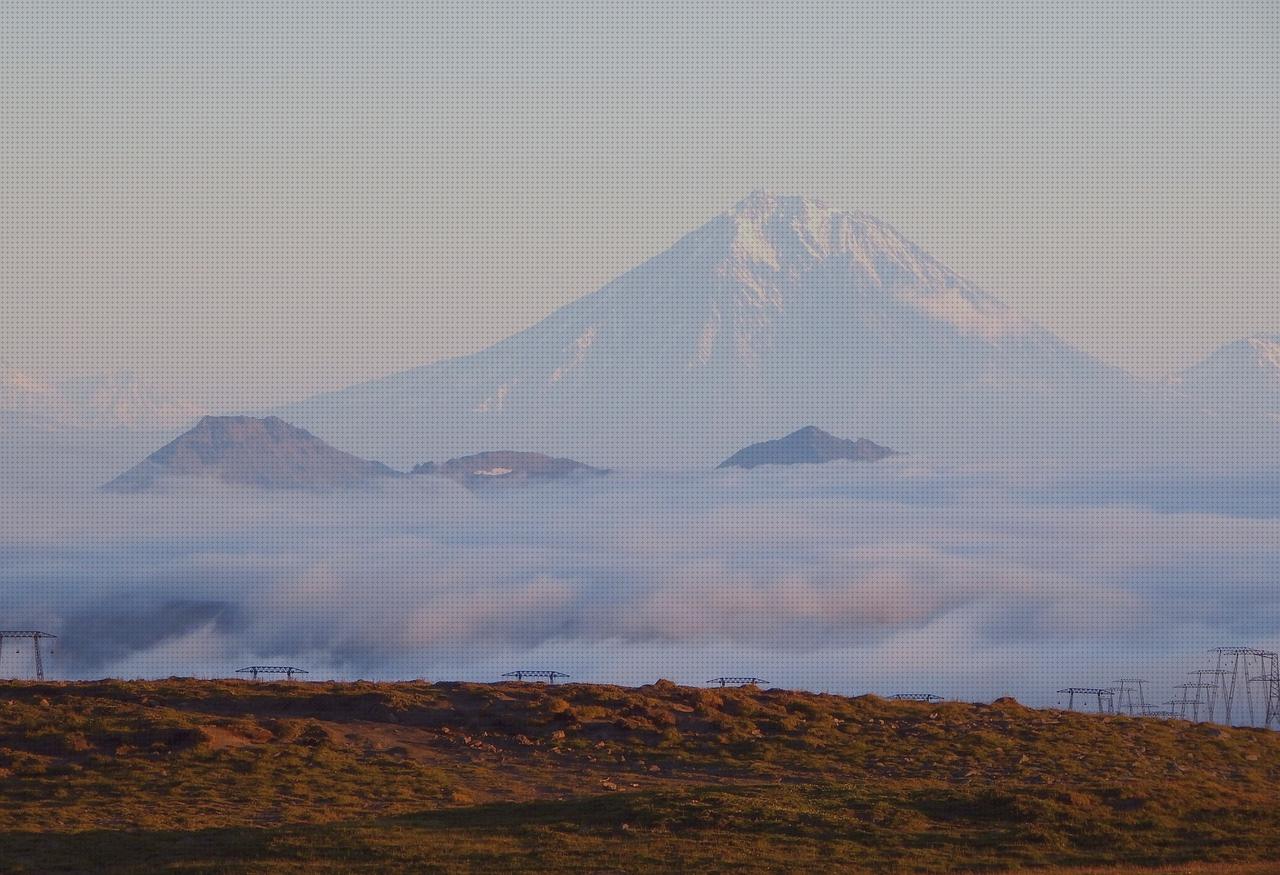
232,776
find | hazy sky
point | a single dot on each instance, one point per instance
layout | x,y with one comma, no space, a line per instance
252,201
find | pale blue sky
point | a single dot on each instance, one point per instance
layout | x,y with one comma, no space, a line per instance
253,201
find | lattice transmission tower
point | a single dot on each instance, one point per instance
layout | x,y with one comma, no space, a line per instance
1130,696
1216,680
1247,669
1195,698
255,670
35,638
550,676
1104,696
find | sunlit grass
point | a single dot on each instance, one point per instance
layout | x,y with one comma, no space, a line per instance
236,776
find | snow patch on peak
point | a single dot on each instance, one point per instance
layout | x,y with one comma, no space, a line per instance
762,205
578,354
707,339
770,225
983,318
751,245
495,402
777,237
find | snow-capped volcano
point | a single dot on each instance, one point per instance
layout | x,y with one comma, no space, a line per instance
782,310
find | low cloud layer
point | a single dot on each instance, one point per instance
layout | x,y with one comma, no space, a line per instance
846,578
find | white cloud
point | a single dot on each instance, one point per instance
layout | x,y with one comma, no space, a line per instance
845,579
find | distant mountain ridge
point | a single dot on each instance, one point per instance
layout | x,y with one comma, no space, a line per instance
809,446
508,466
1240,378
243,450
105,400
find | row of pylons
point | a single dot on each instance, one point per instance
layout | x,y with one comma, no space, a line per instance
1242,688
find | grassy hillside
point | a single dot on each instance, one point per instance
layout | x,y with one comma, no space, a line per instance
292,777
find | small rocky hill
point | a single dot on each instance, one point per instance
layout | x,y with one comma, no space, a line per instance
808,446
508,467
243,450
